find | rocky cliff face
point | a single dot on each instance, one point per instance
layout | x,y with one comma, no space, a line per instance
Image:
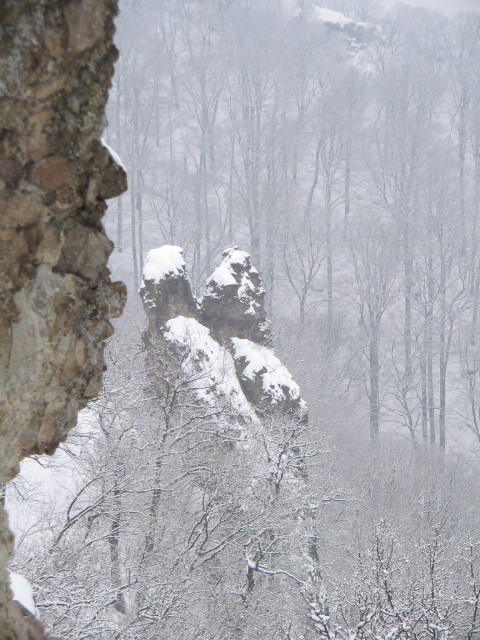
56,296
227,334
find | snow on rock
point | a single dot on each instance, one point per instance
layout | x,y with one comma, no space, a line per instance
210,365
322,14
233,304
22,592
265,380
237,271
164,262
222,341
114,154
221,277
165,289
357,34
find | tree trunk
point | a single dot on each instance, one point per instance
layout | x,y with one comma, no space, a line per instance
328,225
476,292
430,385
348,160
461,159
442,354
118,148
256,231
374,384
311,193
255,246
408,269
230,190
208,249
475,262
134,232
298,133
152,513
302,313
139,204
197,252
120,224
114,544
424,400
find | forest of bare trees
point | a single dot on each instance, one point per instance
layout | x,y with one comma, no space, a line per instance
337,143
344,157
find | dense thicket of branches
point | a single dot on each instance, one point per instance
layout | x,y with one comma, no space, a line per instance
175,519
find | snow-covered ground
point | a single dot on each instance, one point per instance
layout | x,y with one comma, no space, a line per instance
46,485
322,14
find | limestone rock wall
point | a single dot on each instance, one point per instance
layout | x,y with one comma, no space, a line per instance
56,296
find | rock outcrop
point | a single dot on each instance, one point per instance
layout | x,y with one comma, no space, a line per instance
165,288
56,296
234,301
266,382
209,365
225,338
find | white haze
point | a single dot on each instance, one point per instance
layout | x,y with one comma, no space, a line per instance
340,149
450,7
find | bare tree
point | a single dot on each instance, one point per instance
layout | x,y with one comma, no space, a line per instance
374,269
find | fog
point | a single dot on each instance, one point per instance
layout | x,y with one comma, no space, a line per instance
450,7
287,445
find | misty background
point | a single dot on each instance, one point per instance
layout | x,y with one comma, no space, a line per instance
449,7
338,143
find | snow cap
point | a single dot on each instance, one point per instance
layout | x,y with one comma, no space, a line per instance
236,270
322,14
164,262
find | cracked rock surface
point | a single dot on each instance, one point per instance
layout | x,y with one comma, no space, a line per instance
56,296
